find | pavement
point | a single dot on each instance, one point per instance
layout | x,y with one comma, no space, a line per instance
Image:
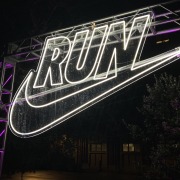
55,175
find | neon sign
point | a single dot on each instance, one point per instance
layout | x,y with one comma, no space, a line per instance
76,71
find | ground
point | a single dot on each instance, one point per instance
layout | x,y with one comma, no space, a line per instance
54,175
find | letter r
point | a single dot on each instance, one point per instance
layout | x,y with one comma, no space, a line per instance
51,61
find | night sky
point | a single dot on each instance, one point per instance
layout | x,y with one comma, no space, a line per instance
21,19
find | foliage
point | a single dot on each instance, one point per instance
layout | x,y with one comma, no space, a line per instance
159,131
62,150
47,151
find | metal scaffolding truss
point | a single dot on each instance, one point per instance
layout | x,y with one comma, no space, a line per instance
6,90
30,48
166,20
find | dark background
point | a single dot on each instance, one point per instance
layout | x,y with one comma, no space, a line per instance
22,19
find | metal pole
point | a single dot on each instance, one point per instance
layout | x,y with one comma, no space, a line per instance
2,151
5,120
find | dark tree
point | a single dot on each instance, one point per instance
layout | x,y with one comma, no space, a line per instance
159,131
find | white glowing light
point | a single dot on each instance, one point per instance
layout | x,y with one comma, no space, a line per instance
151,64
78,67
96,77
167,58
126,42
54,57
63,118
56,53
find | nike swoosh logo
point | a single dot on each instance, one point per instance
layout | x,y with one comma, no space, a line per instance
67,100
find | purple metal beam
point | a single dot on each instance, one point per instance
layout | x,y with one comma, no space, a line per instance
6,93
2,133
3,120
7,80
